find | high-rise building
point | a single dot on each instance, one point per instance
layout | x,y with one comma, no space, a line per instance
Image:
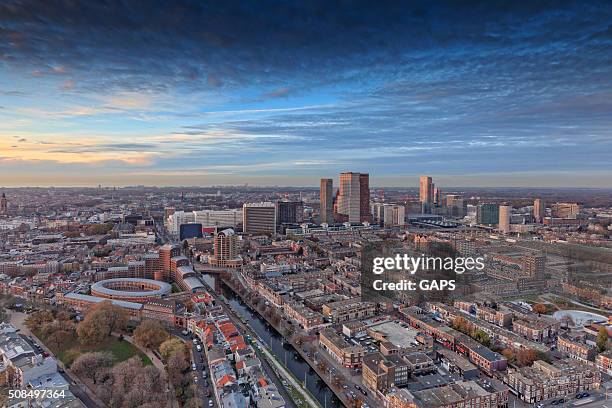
505,212
394,215
535,266
225,249
539,210
455,205
216,218
178,218
426,193
487,214
327,201
354,197
437,199
378,214
289,212
3,205
259,218
364,198
565,210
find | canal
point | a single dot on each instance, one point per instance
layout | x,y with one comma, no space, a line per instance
283,351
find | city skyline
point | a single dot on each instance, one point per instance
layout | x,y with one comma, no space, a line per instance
482,95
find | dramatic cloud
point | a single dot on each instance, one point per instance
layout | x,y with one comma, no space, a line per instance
292,92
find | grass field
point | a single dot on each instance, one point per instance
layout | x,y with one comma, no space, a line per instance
121,350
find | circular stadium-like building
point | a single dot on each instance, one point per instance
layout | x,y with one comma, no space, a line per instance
131,289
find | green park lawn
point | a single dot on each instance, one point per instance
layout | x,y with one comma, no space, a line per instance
121,350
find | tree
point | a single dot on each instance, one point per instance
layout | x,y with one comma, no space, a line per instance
482,337
507,352
59,338
102,319
177,363
540,308
37,319
526,357
602,339
150,334
90,366
170,347
134,385
194,403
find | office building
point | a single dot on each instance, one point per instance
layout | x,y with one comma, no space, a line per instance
353,201
394,215
437,197
190,230
259,218
426,193
505,212
539,210
487,214
218,218
289,212
378,214
455,205
565,210
326,195
178,218
3,205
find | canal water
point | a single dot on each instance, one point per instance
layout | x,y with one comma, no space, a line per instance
283,351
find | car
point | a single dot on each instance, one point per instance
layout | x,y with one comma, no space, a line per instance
585,394
210,404
195,379
198,347
578,396
184,332
194,367
195,340
561,400
555,402
540,406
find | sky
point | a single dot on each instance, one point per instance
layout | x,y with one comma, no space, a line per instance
493,93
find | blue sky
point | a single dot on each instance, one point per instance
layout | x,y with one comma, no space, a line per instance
280,93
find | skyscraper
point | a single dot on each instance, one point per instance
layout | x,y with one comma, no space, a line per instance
3,205
327,201
354,197
259,218
364,197
539,210
455,205
487,214
289,212
437,199
504,218
426,193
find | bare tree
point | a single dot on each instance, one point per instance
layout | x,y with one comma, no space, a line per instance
90,366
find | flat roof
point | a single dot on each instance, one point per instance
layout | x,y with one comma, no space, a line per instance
163,287
95,299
